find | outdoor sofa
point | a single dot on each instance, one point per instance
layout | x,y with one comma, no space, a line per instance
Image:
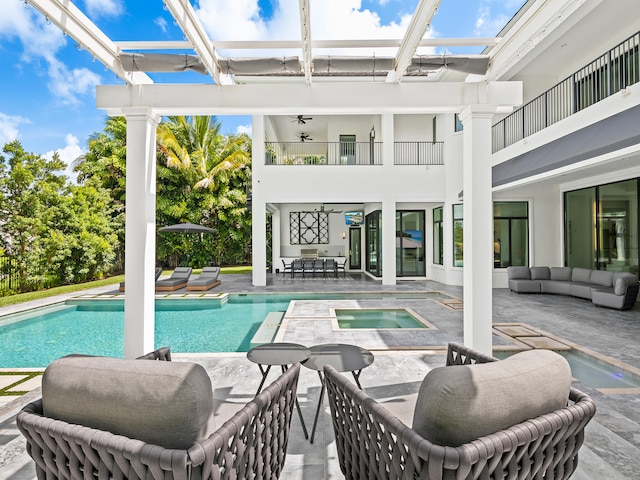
206,280
475,419
108,418
607,289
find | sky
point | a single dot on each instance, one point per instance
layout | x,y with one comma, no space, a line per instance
48,84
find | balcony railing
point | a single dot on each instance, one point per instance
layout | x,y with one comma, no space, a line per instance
419,153
615,70
351,153
323,153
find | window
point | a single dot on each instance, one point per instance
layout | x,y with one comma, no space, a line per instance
458,231
373,243
457,125
510,234
410,243
601,227
438,237
347,149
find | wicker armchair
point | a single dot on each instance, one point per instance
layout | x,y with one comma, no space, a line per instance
373,444
252,444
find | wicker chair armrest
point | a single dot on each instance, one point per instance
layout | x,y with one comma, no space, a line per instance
458,354
162,354
252,444
374,444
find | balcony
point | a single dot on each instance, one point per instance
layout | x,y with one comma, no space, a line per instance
351,153
615,70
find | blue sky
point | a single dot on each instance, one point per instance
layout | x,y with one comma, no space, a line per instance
48,83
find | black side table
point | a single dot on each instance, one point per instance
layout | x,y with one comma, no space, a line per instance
342,357
283,354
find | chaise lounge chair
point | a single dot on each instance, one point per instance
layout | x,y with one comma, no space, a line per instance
106,418
474,419
158,273
178,279
206,280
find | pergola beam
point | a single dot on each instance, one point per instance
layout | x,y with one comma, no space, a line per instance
420,21
305,26
186,17
67,17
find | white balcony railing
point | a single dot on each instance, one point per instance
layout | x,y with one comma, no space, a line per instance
351,153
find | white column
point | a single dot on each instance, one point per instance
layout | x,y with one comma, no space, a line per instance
388,242
478,227
258,205
140,232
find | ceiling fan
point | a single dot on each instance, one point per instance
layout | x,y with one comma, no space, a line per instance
304,137
329,210
301,119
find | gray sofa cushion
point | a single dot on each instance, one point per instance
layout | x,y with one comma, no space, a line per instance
601,278
581,290
555,286
621,280
458,404
540,273
519,273
524,286
560,273
581,275
165,403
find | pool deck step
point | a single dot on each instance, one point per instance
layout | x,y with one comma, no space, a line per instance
268,329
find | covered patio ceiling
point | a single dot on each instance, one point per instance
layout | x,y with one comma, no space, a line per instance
294,60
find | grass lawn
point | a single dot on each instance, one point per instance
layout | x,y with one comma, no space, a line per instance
25,297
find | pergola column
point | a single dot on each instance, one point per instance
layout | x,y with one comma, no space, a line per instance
478,226
258,205
140,232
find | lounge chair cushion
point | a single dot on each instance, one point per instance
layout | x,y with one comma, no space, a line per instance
165,403
458,404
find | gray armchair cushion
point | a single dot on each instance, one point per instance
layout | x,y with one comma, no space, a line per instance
560,273
458,404
620,287
540,273
165,403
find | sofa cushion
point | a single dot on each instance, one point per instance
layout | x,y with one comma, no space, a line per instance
539,273
581,275
560,273
601,278
165,403
458,404
519,273
620,286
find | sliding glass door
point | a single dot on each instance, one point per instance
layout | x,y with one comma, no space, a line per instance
410,243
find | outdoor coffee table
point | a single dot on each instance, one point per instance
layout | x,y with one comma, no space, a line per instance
283,354
342,357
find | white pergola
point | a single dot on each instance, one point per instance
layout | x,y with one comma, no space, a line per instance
143,103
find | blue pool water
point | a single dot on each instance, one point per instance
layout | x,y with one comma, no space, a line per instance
96,327
383,318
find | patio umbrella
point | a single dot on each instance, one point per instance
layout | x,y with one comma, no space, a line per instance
186,228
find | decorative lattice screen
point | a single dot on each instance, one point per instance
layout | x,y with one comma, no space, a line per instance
307,228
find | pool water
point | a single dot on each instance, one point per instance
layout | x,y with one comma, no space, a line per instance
594,372
97,328
383,318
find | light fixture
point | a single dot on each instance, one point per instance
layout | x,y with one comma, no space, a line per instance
372,133
344,235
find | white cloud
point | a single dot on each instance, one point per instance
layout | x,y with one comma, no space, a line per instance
107,8
67,84
43,41
330,19
244,129
488,23
162,23
9,127
69,153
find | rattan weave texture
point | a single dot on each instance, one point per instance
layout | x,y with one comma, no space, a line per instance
373,444
251,445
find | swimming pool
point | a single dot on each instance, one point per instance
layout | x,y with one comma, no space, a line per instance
377,318
96,327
